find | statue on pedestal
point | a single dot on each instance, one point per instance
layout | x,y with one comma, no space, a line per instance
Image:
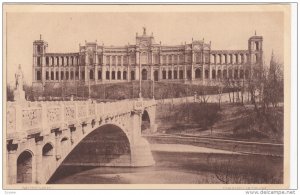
19,94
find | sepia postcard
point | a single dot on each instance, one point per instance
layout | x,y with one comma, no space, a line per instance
124,96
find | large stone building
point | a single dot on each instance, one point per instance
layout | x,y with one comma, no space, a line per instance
193,62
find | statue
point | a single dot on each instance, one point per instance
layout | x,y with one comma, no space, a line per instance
19,94
19,79
144,28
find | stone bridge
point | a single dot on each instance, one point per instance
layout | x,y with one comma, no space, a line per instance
41,136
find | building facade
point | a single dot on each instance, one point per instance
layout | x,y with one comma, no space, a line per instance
195,62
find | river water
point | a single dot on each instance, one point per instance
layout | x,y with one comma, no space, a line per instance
185,165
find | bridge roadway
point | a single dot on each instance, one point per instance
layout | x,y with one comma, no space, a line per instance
40,135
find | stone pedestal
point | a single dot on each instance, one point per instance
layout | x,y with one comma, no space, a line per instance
19,95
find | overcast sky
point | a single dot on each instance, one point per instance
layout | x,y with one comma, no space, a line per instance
64,31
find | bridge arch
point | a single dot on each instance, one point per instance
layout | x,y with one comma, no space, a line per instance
25,165
145,126
111,146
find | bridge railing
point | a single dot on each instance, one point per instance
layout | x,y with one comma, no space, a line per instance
27,118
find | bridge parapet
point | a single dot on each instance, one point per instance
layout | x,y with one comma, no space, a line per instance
24,119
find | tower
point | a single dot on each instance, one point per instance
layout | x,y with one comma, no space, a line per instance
39,51
255,48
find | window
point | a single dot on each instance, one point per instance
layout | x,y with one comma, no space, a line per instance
107,75
124,75
38,61
62,75
164,74
38,75
91,74
119,60
52,75
47,61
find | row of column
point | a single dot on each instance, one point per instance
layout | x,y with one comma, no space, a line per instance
229,58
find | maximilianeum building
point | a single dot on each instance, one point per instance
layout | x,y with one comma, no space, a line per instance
194,62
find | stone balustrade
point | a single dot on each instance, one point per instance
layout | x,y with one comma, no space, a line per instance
27,118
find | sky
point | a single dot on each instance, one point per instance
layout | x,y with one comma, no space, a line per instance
65,31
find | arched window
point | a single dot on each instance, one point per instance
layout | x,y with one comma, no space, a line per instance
38,61
197,73
91,74
113,75
170,74
256,45
144,74
124,75
52,75
38,75
155,75
107,75
175,74
224,74
132,75
62,75
206,74
62,61
119,75
67,75
219,73
164,74
47,61
213,74
180,74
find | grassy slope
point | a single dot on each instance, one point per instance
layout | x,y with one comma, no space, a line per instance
232,121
